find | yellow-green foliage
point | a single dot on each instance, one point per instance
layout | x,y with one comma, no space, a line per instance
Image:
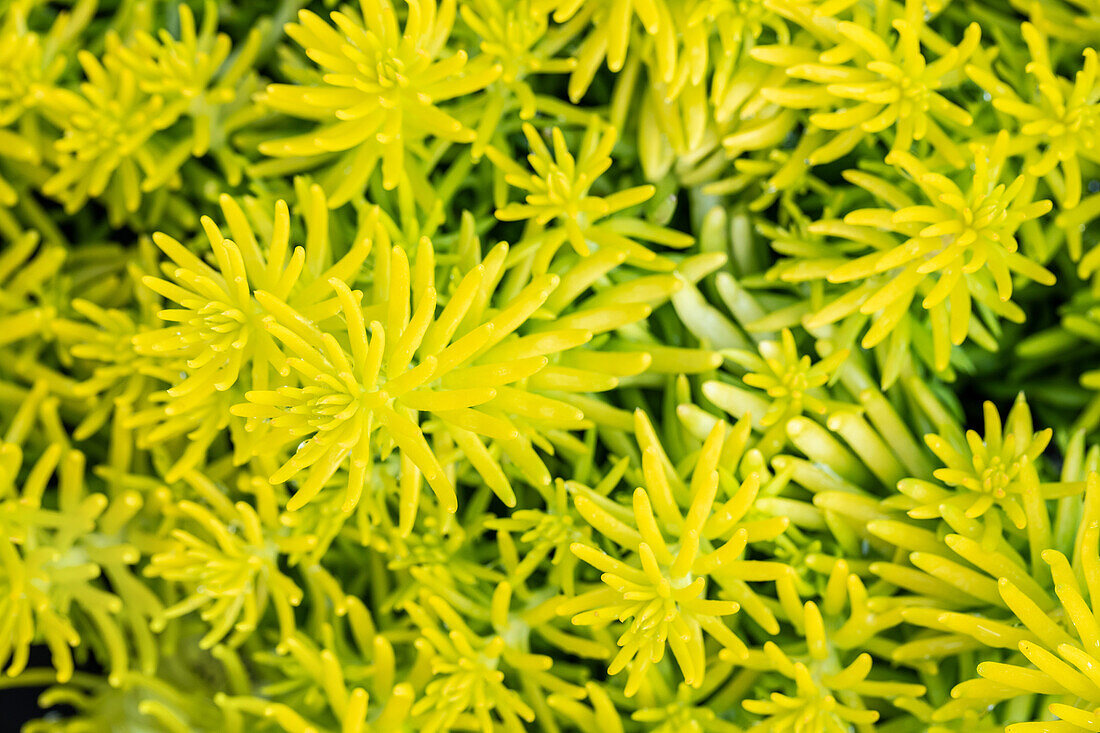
609,366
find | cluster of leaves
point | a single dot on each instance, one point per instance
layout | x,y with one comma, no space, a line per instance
504,365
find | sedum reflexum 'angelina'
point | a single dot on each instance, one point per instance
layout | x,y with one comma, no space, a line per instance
108,148
379,95
515,35
997,470
986,596
467,683
792,384
215,344
413,365
357,677
608,26
776,242
180,696
1062,645
1060,121
65,562
560,203
122,135
1077,21
827,680
27,265
953,245
659,587
200,74
227,561
868,83
29,67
